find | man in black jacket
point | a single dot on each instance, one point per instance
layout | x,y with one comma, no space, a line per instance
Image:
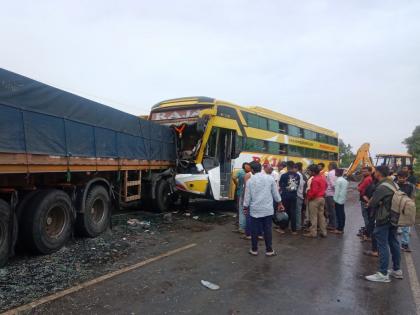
386,230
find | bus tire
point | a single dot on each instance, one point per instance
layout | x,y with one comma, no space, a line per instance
163,196
4,232
96,217
47,225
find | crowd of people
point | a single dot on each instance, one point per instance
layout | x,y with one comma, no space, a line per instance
310,202
380,227
313,202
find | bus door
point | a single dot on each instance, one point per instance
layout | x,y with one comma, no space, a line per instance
218,161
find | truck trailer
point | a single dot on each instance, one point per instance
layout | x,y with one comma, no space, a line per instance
66,162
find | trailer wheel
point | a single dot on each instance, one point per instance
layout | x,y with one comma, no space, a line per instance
95,219
47,225
4,232
163,196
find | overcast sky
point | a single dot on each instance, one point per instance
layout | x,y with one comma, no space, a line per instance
351,66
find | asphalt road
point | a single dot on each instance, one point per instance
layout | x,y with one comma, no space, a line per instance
308,276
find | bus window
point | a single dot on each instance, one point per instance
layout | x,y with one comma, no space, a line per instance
254,145
296,151
211,147
262,123
273,147
295,131
323,138
227,112
310,153
324,155
332,156
309,135
273,125
251,120
332,140
282,127
283,149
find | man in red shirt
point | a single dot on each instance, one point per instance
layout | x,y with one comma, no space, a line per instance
316,203
365,183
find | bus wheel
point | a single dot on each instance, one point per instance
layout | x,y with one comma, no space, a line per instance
96,217
163,196
47,225
4,232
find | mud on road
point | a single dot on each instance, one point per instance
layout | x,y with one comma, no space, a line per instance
135,235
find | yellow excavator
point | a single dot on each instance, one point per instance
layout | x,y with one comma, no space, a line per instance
362,159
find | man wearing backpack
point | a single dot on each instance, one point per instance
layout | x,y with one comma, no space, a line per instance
386,228
410,190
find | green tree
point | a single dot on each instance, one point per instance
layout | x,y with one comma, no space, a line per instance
413,146
413,142
346,155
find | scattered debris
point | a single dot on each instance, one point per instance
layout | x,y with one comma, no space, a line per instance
167,218
133,222
210,285
136,222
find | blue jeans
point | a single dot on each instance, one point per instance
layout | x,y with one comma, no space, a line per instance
386,238
405,235
248,226
299,205
365,214
340,216
262,224
241,215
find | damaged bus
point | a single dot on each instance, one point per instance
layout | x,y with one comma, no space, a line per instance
215,137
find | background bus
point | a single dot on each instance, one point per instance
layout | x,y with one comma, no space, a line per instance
215,137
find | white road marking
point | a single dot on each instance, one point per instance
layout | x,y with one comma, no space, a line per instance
60,294
414,282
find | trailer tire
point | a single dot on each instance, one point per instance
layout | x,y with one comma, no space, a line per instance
4,232
163,196
95,220
48,225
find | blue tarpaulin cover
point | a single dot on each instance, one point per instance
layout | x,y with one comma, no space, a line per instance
40,119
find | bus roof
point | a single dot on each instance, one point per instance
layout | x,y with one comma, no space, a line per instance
204,100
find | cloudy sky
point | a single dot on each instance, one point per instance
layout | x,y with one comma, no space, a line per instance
351,66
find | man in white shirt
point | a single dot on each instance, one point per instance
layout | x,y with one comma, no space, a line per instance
258,201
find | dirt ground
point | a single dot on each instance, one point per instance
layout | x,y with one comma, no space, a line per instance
135,235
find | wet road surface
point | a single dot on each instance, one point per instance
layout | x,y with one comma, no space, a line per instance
308,276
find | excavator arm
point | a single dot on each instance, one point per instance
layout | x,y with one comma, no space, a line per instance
362,158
